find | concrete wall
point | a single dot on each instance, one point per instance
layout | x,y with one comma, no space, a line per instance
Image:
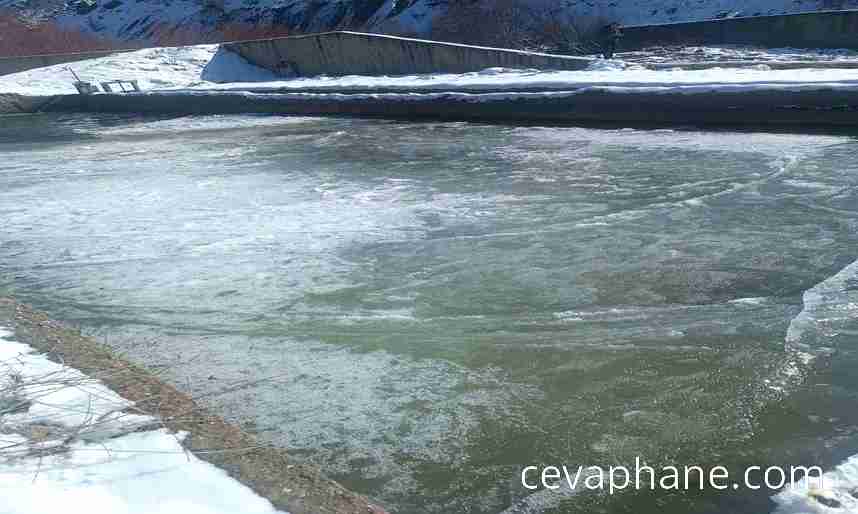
833,29
18,104
354,53
800,109
10,65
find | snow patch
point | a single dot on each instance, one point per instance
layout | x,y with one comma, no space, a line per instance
153,68
67,441
835,495
599,74
226,66
608,65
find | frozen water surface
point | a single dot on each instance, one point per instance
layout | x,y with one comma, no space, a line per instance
436,305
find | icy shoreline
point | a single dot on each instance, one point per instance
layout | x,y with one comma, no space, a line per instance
66,439
99,429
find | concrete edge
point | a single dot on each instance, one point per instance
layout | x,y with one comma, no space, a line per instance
11,103
801,110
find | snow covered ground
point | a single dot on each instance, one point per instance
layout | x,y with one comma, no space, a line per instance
154,68
614,74
203,67
70,444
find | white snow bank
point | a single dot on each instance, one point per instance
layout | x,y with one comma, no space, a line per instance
741,53
607,65
807,497
601,73
518,80
100,463
153,68
226,66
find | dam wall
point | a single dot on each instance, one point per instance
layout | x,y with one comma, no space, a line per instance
827,29
355,53
765,107
9,65
19,104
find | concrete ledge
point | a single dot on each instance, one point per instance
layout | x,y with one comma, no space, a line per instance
808,108
18,104
827,29
355,53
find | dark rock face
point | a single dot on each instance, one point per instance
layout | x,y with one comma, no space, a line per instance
364,9
84,6
138,19
400,6
309,15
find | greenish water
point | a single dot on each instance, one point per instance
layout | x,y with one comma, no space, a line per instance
438,305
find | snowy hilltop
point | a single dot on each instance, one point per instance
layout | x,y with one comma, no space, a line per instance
142,19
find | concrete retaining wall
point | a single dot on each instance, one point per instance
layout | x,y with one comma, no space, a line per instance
354,53
833,29
18,104
802,109
10,65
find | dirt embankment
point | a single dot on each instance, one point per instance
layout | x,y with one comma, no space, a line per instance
295,487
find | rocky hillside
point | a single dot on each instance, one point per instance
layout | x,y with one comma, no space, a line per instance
418,15
140,19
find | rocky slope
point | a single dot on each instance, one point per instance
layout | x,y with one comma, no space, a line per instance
136,19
